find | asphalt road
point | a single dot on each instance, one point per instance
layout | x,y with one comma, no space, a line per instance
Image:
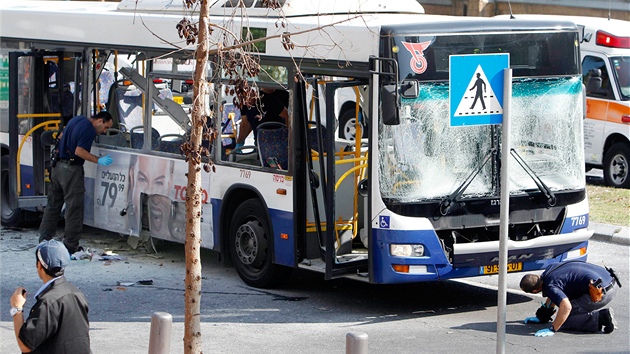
308,315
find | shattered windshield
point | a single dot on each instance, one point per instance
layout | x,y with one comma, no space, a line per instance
424,158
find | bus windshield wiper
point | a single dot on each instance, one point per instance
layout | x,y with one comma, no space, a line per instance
446,203
551,198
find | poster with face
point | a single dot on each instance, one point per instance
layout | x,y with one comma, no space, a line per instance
150,177
147,190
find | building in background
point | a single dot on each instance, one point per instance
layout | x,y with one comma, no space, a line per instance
619,9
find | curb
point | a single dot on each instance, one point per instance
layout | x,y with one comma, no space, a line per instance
610,233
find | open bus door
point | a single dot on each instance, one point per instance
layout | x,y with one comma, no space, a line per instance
337,214
40,103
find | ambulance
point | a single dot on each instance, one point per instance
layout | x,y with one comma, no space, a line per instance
605,52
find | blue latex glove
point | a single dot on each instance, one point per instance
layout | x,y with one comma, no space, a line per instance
238,145
544,333
532,320
105,160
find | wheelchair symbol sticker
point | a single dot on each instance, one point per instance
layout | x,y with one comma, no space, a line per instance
384,222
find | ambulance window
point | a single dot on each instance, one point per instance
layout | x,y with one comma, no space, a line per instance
596,79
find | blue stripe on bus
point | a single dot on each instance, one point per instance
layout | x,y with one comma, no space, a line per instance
438,267
284,247
382,270
281,222
26,178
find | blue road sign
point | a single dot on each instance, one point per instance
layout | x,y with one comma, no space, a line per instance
476,88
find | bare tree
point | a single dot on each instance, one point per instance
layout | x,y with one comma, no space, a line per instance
236,59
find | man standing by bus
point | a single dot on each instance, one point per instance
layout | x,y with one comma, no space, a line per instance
67,177
566,285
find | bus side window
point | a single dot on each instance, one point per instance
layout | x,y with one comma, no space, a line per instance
595,77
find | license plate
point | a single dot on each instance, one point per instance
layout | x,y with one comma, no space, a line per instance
494,269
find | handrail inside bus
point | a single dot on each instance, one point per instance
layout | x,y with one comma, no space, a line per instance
48,125
38,115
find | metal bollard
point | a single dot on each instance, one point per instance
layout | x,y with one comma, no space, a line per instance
356,343
160,338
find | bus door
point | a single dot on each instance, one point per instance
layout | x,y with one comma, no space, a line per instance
336,212
41,101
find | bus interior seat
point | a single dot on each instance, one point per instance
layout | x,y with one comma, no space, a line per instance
113,137
170,143
49,137
594,83
125,105
136,137
273,145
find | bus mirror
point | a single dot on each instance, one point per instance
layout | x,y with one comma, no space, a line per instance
389,105
363,187
409,89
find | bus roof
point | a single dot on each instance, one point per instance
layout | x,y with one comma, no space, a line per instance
107,25
289,8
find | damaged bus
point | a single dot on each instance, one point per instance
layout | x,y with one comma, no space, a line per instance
415,199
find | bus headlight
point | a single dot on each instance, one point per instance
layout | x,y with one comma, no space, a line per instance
406,250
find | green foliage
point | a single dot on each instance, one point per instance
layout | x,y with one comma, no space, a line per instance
609,205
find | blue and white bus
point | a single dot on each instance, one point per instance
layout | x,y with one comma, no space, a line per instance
415,199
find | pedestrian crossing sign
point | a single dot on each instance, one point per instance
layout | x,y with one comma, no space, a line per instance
476,88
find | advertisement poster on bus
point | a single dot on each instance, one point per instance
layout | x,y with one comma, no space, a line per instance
136,186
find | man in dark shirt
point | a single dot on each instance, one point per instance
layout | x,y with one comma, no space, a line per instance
66,178
566,285
271,107
58,322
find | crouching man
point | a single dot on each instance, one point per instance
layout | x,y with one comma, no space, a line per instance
58,321
580,291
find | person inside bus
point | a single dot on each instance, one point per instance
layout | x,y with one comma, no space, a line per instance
67,177
567,286
270,107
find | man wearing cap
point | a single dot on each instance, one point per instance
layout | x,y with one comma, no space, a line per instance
58,321
66,178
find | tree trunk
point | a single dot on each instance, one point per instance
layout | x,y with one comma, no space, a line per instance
192,315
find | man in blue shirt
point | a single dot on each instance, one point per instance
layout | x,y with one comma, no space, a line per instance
66,177
58,321
566,286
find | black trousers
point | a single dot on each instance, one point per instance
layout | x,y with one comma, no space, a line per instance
66,186
584,316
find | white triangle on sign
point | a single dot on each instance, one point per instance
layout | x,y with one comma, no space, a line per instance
468,106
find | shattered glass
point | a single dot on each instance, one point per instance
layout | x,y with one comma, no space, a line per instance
424,158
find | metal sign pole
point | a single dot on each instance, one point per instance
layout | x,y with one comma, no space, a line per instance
505,210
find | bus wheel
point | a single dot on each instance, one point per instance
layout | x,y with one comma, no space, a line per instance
10,217
616,166
251,246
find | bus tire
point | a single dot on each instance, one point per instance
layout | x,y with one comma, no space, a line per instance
617,166
251,246
10,217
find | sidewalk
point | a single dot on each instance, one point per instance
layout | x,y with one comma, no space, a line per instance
610,233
